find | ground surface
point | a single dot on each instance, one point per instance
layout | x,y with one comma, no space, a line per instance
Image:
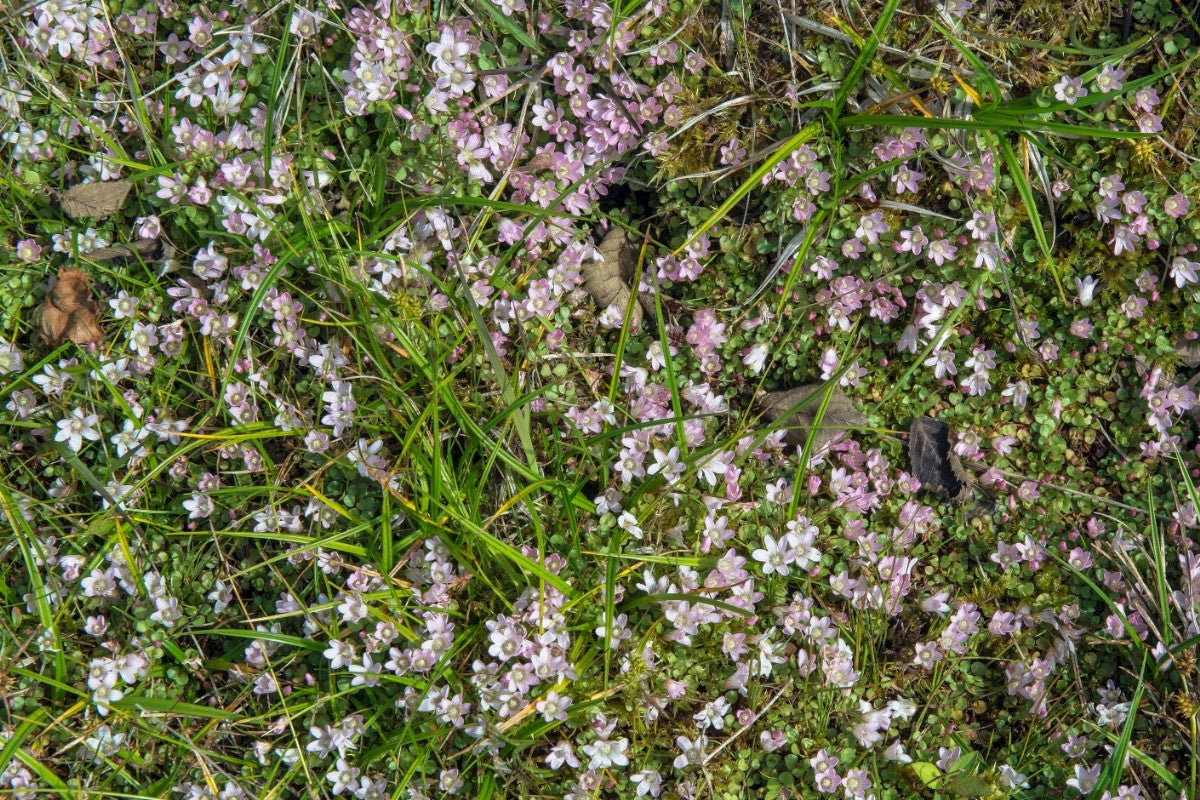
391,400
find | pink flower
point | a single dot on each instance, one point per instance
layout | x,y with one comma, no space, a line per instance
906,180
1069,89
1110,79
1176,205
1146,99
912,241
941,251
28,250
1079,558
1149,123
870,226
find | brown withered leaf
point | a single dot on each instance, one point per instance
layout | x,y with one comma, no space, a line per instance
840,414
70,311
932,460
119,254
607,280
1188,352
539,162
98,199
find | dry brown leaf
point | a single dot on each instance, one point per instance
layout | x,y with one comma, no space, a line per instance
539,162
607,280
1188,352
142,249
932,460
97,199
840,414
70,311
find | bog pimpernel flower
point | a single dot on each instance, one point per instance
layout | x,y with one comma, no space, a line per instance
76,428
353,390
605,753
1069,90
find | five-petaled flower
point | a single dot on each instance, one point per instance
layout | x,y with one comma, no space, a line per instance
77,427
1069,89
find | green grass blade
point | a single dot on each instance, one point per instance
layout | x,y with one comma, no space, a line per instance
862,61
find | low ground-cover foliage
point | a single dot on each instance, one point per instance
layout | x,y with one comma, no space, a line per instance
356,491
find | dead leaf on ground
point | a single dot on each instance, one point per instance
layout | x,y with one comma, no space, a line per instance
119,254
607,280
1188,352
98,199
932,460
840,414
70,311
539,162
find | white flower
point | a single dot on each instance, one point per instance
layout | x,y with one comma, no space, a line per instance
1111,714
104,696
339,653
1011,779
1085,778
713,714
554,707
942,362
668,463
77,427
775,555
99,584
102,672
124,305
1019,392
755,358
1110,79
449,782
221,596
608,501
713,469
10,358
343,776
322,741
166,611
802,537
1183,271
690,751
352,608
655,357
305,23
561,754
614,317
1085,288
104,743
902,708
648,782
129,438
143,336
121,495
895,752
199,506
606,753
628,523
132,667
365,673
